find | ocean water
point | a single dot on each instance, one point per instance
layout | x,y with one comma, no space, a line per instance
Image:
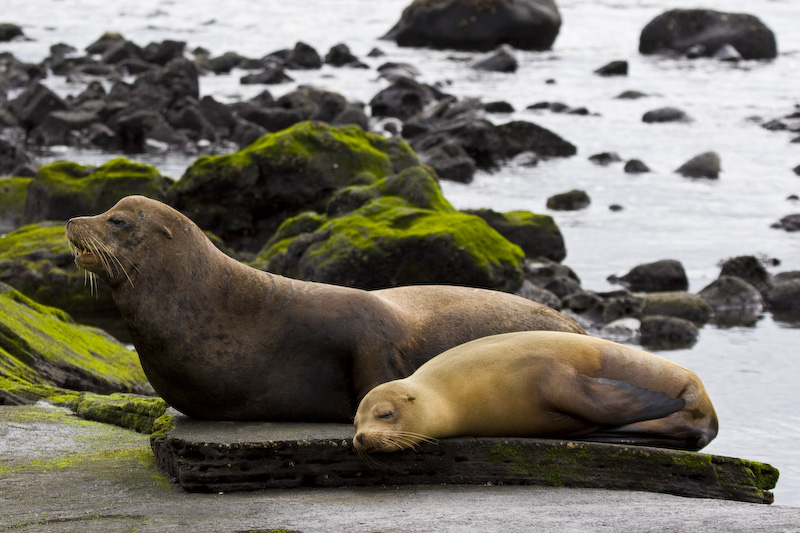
751,373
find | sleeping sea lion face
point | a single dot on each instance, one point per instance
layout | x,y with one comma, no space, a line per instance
386,420
116,245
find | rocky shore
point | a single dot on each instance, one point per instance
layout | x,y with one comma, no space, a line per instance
313,185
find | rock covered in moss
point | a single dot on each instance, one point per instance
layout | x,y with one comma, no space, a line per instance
62,190
678,304
243,197
537,235
13,192
42,348
482,25
37,261
389,242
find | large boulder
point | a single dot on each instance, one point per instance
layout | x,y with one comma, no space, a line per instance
37,261
42,347
397,231
387,243
62,190
484,25
702,32
537,235
243,197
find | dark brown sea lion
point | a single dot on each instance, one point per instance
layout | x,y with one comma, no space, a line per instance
540,384
221,340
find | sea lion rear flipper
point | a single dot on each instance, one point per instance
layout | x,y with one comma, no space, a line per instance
615,403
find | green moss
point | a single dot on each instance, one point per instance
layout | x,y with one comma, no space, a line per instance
161,426
34,240
388,218
417,186
340,153
106,184
13,192
42,346
37,261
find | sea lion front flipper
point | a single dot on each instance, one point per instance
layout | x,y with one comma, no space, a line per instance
616,403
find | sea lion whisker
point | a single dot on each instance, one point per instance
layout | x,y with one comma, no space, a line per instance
420,436
105,253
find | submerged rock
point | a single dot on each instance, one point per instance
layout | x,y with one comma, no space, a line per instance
615,68
704,32
734,301
790,223
667,333
666,114
569,201
501,60
705,165
469,25
659,276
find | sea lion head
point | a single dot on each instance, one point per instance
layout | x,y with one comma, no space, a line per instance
390,418
127,241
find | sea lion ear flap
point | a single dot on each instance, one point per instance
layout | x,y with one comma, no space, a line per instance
411,398
165,230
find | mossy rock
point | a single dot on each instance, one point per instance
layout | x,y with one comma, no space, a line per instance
387,243
417,186
537,235
64,189
243,197
42,351
13,192
677,304
36,260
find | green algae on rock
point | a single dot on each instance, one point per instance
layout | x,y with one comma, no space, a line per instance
537,235
37,261
243,197
388,243
64,189
42,350
13,193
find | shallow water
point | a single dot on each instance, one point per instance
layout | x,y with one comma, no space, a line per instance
751,372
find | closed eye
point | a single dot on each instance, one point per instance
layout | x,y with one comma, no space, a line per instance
116,221
386,415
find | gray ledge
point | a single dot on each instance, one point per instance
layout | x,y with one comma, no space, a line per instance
233,456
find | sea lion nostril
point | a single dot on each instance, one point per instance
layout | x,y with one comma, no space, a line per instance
360,438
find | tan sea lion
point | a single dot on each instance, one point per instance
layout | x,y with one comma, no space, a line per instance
540,384
221,340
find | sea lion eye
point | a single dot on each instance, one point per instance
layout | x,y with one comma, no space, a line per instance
386,415
116,221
